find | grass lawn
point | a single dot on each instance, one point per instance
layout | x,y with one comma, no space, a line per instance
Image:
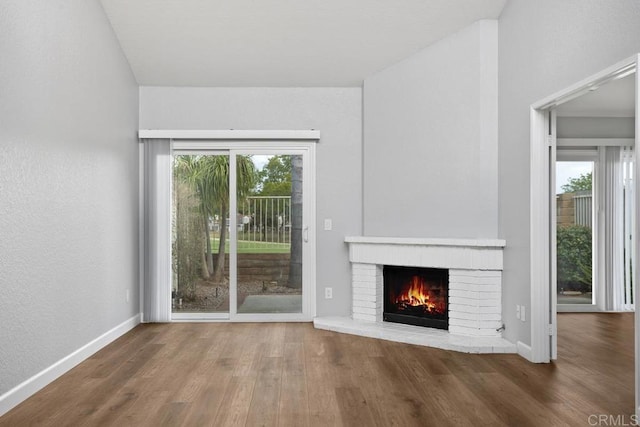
253,247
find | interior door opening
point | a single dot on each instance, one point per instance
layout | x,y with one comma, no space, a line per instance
542,234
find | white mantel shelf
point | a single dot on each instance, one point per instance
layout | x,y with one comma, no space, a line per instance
469,243
466,254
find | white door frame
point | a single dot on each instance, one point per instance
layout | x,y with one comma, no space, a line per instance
308,229
273,141
542,305
595,155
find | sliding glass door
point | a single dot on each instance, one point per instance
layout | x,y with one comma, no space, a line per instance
270,233
574,229
241,242
594,228
200,208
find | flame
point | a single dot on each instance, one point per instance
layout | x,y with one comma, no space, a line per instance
417,294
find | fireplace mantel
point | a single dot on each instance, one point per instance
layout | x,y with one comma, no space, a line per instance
465,254
475,291
413,241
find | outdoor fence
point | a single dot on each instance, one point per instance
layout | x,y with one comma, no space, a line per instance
263,224
574,209
265,219
583,209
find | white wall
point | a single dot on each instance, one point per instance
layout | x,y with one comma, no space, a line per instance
430,132
336,112
545,46
68,183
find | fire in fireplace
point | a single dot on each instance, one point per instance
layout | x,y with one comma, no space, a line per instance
416,296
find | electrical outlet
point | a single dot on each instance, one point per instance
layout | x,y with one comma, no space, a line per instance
328,293
328,224
517,312
523,316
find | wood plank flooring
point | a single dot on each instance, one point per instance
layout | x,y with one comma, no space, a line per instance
290,374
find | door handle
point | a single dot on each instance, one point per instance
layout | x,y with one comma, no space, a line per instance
305,233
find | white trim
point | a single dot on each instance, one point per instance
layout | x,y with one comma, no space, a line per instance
233,235
141,228
553,278
24,390
524,351
190,317
231,134
268,317
579,308
616,71
595,142
636,273
193,146
410,241
539,235
248,318
310,248
598,233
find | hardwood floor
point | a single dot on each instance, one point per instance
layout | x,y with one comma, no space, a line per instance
294,375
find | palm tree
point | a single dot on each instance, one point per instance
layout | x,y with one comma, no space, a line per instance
187,169
209,175
215,190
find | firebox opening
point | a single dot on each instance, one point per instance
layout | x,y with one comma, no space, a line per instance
416,296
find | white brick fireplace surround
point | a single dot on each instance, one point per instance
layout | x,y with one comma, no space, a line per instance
475,292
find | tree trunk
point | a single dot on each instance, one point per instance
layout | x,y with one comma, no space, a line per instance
209,256
218,275
205,269
295,263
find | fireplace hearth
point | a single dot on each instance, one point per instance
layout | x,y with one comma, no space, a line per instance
474,292
416,296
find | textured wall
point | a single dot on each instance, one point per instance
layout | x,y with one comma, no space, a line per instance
545,46
430,132
68,183
336,112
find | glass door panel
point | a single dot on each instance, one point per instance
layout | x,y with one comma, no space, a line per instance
269,230
574,232
200,234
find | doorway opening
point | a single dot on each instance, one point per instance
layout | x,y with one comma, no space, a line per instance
566,122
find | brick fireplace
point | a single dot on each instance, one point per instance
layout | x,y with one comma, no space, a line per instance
474,291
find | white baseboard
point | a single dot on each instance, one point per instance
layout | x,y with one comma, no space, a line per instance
26,389
524,351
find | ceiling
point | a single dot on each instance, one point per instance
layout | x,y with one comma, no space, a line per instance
613,99
276,43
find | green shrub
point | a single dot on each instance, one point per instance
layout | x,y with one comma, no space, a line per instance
574,258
